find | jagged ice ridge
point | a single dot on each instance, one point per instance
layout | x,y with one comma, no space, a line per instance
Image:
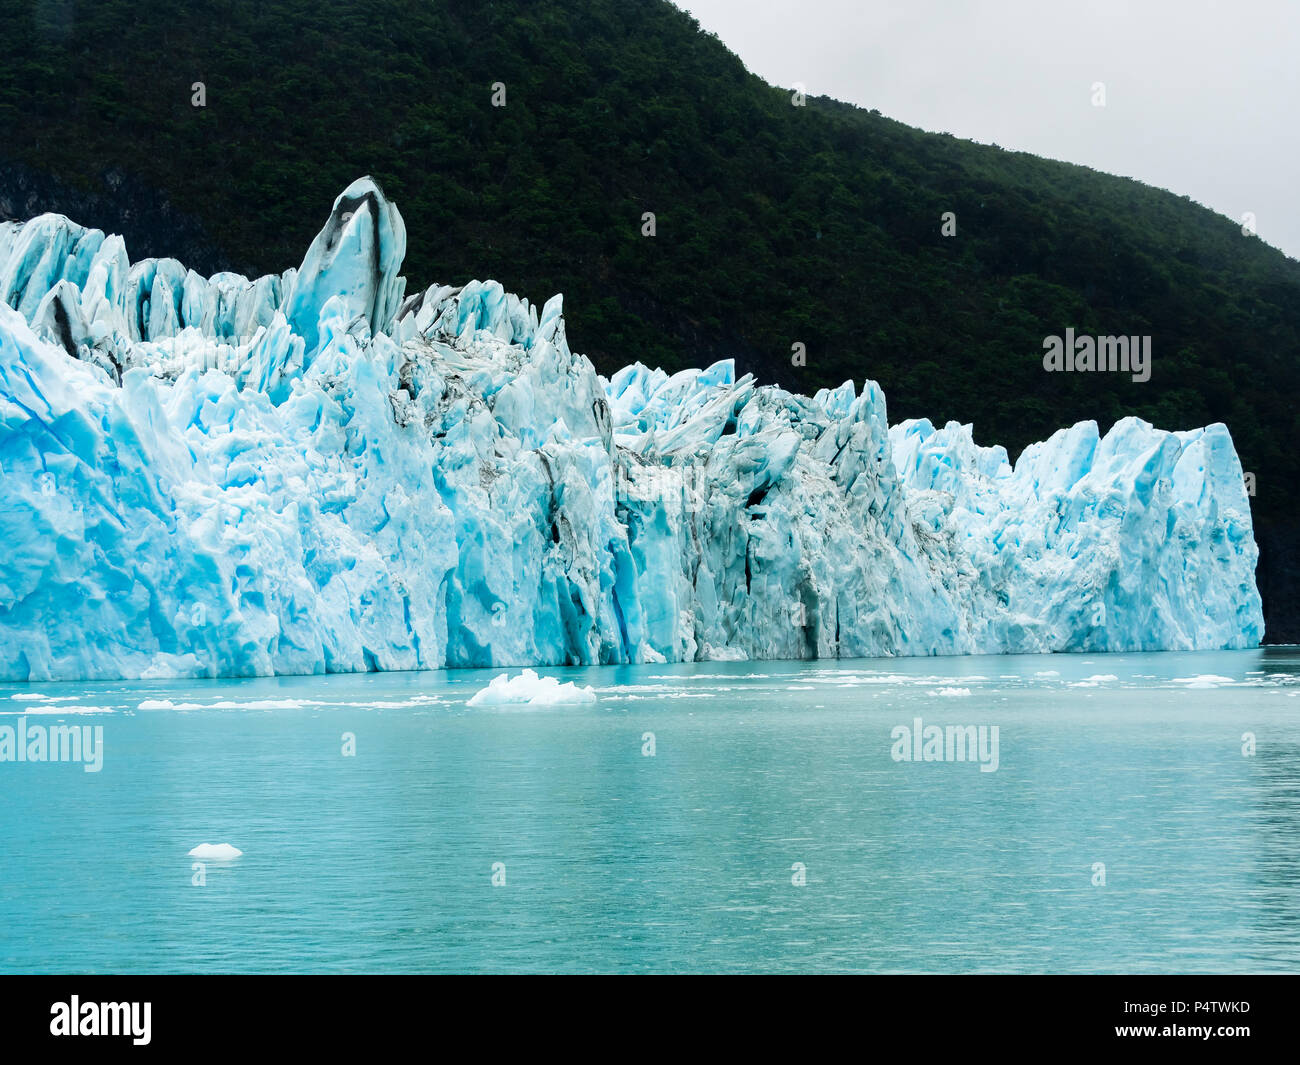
315,472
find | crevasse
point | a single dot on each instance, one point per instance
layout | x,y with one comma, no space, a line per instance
315,472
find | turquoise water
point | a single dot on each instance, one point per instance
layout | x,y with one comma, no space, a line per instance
614,860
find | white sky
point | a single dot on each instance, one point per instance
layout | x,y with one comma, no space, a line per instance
1202,96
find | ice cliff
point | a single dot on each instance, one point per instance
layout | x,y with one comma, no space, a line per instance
317,472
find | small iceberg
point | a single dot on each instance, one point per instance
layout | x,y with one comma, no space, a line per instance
1203,680
215,852
531,690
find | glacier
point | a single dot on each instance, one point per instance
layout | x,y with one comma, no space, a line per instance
317,472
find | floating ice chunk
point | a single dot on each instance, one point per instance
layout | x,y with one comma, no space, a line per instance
1204,680
58,708
230,704
951,693
215,852
531,690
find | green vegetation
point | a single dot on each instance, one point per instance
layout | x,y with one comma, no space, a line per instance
776,224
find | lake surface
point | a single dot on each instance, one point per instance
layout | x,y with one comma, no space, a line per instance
771,829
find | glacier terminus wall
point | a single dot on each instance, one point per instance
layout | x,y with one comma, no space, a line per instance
317,472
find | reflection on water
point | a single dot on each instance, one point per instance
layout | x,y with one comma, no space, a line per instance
1274,822
738,816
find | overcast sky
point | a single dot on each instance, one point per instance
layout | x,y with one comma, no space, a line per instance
1202,96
